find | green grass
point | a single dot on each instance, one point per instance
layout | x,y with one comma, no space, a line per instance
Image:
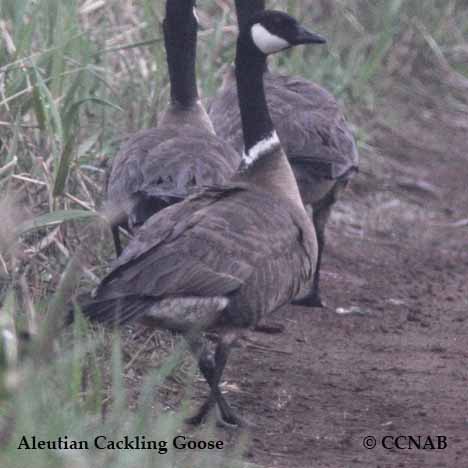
75,78
68,398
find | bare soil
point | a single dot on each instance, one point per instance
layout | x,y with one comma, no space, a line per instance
388,355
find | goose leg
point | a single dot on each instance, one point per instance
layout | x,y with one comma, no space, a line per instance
320,218
116,237
212,368
229,418
320,221
207,366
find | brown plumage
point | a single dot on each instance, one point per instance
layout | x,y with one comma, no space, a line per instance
248,246
227,257
221,260
311,126
160,166
313,132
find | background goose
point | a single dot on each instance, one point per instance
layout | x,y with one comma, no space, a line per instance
312,130
228,256
160,166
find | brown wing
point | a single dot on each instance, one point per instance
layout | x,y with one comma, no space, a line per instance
312,128
232,242
159,166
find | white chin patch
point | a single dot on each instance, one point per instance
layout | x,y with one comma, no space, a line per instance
267,42
195,14
270,143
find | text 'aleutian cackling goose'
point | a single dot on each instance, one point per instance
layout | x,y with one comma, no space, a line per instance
225,258
313,131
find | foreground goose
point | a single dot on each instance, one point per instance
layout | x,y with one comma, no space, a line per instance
160,166
224,258
312,130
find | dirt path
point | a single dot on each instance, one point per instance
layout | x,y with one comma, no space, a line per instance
396,363
394,366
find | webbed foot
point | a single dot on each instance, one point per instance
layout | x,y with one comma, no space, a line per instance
311,300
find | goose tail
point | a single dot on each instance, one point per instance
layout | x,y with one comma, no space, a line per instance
113,311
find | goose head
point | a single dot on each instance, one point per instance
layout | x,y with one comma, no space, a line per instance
273,31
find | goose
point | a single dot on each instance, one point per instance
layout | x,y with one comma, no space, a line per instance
313,131
229,255
159,166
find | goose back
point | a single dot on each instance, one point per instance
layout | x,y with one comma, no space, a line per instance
312,128
160,166
256,250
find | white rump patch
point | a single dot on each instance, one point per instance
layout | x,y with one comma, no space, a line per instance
266,145
267,42
186,313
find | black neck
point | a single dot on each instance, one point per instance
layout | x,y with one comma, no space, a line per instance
256,120
246,9
180,39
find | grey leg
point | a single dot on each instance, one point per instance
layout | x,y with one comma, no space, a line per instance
116,237
207,366
320,221
212,368
319,218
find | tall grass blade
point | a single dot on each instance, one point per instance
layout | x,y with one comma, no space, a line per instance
53,219
48,105
58,309
8,338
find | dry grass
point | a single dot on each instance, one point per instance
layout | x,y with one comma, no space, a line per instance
77,76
